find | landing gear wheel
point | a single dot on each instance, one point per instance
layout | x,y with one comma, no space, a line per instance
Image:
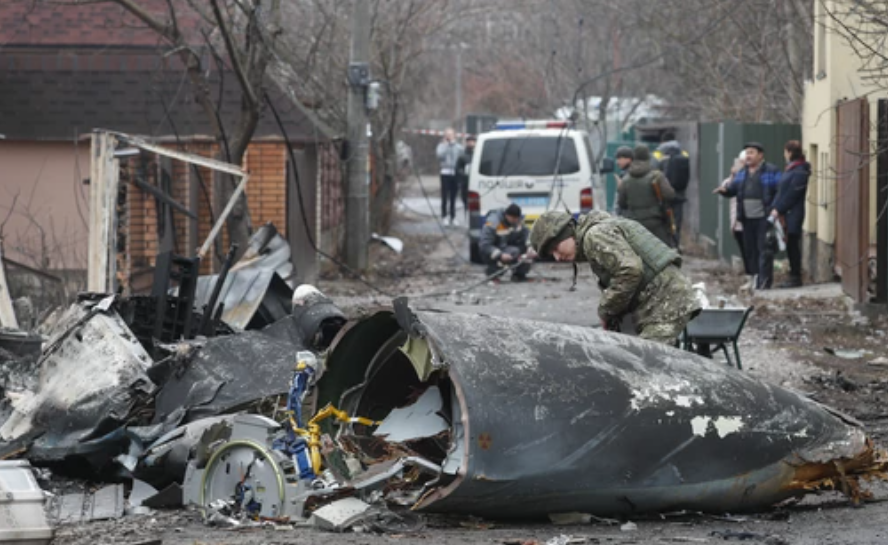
249,473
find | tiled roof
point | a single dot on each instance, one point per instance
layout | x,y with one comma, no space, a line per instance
37,23
54,95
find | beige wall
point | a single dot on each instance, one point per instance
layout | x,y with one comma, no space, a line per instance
836,78
47,177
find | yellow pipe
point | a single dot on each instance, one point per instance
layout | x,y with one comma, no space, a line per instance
313,434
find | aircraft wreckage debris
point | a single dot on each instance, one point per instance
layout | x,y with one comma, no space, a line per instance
353,421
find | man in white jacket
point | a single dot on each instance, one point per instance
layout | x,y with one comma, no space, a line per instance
449,151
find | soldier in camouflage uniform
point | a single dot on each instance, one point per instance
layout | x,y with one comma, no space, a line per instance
637,273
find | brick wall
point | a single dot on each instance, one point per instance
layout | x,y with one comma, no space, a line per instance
266,198
267,189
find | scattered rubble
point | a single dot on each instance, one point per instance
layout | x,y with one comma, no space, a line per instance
359,423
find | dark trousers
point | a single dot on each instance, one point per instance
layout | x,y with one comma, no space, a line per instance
449,189
464,191
794,253
738,236
760,261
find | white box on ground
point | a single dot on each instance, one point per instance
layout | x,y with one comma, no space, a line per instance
22,517
340,515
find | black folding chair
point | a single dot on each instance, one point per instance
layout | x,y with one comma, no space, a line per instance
714,329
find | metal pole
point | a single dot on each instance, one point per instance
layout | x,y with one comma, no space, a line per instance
719,235
459,96
357,203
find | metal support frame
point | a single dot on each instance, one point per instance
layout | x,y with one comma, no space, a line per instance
193,159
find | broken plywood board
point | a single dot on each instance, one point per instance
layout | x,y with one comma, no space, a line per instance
103,504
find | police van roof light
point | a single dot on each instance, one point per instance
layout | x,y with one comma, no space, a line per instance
536,124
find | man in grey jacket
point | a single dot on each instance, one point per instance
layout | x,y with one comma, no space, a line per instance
503,241
448,153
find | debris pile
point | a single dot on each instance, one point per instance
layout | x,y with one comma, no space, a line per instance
297,415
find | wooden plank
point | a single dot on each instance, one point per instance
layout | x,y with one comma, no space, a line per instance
220,221
7,311
104,179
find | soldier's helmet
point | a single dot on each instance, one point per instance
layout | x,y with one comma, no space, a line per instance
546,229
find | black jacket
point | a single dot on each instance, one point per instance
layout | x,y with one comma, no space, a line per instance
464,165
791,193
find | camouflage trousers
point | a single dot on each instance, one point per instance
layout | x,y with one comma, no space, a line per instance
665,306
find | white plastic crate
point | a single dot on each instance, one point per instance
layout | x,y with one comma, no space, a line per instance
22,515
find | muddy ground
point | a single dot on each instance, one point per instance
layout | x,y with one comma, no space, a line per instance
808,339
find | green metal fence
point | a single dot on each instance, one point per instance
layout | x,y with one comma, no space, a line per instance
719,144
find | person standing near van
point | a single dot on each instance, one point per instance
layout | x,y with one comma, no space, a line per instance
463,169
755,187
645,196
448,153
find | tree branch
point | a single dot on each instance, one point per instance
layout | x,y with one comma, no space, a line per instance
234,55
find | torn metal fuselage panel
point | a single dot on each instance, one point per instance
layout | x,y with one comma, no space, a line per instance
547,418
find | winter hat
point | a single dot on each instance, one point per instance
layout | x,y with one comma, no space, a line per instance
625,151
642,153
513,210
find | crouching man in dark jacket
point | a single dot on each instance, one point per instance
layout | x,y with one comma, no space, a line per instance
503,241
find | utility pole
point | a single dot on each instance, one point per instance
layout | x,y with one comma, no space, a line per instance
357,202
459,92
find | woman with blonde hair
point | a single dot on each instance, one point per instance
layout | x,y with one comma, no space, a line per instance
737,225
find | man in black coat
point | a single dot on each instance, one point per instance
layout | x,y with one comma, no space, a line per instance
789,207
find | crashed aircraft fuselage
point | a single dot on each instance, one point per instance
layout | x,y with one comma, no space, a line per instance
547,418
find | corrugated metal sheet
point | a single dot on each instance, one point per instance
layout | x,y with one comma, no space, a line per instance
243,294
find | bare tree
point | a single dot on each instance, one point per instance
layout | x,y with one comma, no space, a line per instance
863,24
314,61
232,35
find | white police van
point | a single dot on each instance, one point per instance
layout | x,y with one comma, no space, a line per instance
538,165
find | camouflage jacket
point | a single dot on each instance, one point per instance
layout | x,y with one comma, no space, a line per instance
621,271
